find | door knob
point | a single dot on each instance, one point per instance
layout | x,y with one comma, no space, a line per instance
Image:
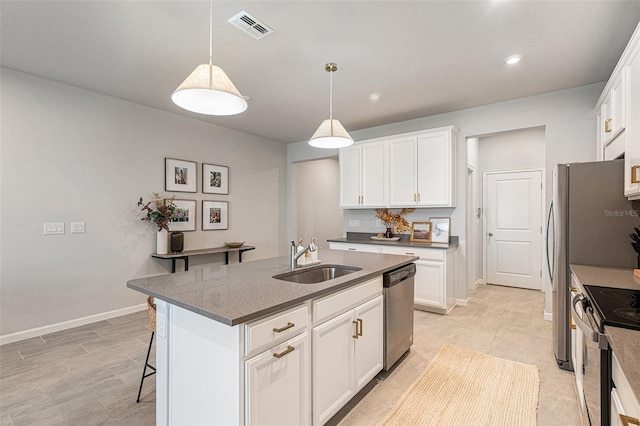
491,234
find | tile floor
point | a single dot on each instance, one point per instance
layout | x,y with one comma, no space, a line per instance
90,375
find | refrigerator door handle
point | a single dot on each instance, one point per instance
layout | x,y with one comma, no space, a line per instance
553,241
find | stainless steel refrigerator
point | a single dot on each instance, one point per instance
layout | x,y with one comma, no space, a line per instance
589,223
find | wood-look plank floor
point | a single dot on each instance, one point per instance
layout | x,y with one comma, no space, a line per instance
90,375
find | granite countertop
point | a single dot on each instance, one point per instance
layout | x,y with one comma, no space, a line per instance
365,238
624,342
241,292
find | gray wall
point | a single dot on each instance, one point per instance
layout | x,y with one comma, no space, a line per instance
567,115
314,204
73,155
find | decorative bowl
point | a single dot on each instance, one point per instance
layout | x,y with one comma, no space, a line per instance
234,244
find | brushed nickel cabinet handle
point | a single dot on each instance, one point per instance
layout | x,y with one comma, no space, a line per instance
410,254
635,174
286,351
286,327
607,125
360,323
573,289
628,420
414,197
418,197
355,336
352,249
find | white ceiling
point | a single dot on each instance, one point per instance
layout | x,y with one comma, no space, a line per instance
422,57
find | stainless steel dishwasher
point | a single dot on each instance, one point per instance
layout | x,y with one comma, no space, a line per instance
398,313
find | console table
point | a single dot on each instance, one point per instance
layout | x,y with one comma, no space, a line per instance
184,255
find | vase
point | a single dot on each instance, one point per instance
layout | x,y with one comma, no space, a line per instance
162,242
177,242
388,233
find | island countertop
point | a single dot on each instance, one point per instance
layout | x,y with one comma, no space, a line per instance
241,292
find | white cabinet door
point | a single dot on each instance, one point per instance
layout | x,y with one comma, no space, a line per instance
350,177
402,172
373,175
332,366
430,284
279,386
619,104
434,169
369,346
632,154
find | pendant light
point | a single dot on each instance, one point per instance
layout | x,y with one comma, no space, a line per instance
208,90
330,134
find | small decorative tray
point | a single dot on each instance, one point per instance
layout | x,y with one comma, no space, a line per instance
234,244
385,239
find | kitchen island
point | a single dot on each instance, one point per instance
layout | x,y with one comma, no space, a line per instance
237,346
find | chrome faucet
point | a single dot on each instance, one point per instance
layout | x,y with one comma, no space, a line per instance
295,254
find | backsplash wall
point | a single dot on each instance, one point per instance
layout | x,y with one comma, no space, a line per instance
366,219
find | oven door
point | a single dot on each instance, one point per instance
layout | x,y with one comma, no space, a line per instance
596,362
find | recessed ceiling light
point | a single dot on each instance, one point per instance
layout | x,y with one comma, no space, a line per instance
374,96
513,59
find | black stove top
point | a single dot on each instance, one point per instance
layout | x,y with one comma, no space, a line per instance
617,307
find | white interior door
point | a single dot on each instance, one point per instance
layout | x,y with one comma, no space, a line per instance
513,212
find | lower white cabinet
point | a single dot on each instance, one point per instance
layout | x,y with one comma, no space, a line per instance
435,280
625,408
577,348
347,354
277,385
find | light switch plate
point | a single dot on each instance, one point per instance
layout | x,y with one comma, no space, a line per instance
54,228
354,223
77,227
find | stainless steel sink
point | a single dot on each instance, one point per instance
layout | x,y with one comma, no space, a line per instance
316,274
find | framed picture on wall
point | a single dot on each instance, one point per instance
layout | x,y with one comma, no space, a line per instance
421,232
215,215
440,231
180,175
185,220
215,179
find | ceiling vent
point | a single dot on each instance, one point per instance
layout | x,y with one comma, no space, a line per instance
250,25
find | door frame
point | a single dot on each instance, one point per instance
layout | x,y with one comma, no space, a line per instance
485,238
472,237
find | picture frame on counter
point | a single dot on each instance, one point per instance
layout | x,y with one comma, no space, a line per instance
215,179
215,215
180,175
440,229
421,232
186,218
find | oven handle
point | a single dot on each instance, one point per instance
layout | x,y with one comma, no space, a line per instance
589,332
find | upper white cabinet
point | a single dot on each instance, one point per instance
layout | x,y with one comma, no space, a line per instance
422,169
418,171
617,112
363,175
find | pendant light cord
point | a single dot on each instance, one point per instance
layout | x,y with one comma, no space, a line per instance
330,95
210,32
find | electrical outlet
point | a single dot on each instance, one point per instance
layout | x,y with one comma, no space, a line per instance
54,228
161,325
378,223
77,227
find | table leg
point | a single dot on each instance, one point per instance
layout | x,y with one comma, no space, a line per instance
226,257
186,263
173,266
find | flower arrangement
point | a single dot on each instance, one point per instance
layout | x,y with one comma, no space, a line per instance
394,220
165,210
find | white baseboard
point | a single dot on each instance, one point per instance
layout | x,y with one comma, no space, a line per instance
462,302
480,282
548,316
40,331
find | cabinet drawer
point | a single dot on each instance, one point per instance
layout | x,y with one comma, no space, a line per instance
422,253
335,304
275,328
367,248
627,398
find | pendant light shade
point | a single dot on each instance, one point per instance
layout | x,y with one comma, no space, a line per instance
208,90
331,133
